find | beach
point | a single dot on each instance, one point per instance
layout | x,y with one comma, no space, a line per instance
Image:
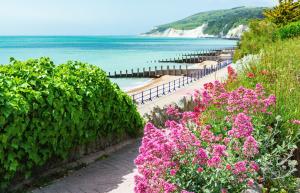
167,78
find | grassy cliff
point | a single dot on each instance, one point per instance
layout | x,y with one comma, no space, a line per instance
218,20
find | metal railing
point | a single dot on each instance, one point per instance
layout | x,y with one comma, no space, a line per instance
156,92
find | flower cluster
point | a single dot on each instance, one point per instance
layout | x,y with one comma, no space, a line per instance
191,145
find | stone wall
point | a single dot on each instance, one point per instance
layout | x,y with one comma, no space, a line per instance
158,116
74,154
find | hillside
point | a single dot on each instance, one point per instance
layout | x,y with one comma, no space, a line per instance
216,23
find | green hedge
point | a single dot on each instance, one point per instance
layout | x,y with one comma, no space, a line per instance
46,109
290,30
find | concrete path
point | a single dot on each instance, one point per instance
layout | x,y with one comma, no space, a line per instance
115,174
176,95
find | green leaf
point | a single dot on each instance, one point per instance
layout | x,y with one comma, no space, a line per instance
11,156
50,99
2,120
4,138
27,174
13,165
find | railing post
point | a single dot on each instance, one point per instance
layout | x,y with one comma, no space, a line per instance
150,95
126,73
138,73
155,71
169,87
142,97
183,81
163,89
109,74
168,70
198,75
162,72
115,74
133,98
120,74
132,72
157,92
149,71
174,86
187,79
179,83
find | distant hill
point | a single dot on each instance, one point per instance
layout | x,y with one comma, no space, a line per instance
214,23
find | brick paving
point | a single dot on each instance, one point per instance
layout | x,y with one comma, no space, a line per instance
114,174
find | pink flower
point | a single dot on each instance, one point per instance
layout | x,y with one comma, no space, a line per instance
250,183
239,168
227,140
224,191
296,122
241,127
185,161
229,167
207,127
251,75
214,162
250,146
207,136
173,172
200,169
254,166
201,154
219,150
184,191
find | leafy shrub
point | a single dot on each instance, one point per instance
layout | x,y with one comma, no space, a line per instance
197,154
286,12
260,34
290,30
46,109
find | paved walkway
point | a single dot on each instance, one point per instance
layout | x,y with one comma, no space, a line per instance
115,174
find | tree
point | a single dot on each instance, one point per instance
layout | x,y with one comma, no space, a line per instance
287,12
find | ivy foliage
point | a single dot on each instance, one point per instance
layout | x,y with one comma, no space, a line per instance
286,12
46,109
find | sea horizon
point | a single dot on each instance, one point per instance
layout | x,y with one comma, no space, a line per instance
109,52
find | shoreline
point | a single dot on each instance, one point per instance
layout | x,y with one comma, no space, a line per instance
167,78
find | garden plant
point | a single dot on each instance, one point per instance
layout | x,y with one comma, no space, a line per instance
47,109
226,144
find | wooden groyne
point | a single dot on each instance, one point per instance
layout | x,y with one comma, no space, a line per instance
209,55
200,56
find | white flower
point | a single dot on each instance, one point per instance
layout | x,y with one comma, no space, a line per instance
278,118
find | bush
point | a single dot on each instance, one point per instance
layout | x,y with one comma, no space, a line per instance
290,30
287,11
260,34
46,109
226,144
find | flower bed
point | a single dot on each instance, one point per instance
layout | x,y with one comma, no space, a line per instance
222,146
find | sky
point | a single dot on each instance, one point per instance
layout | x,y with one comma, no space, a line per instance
103,17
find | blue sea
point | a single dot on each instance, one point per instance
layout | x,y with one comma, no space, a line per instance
111,53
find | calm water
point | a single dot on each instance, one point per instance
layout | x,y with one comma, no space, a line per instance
111,53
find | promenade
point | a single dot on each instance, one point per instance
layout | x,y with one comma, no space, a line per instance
116,173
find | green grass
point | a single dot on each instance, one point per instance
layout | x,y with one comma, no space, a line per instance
217,20
281,59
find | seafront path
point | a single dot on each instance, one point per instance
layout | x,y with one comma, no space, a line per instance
115,174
